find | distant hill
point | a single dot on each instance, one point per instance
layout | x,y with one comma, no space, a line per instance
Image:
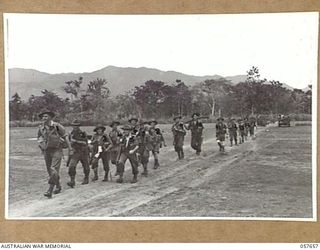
29,81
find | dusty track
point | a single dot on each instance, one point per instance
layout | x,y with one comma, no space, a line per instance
261,178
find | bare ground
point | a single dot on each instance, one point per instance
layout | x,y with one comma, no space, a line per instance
266,177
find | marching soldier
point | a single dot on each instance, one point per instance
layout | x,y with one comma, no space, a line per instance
241,130
101,146
252,122
247,127
143,139
135,127
232,127
51,137
80,152
178,136
221,130
129,146
196,127
114,135
156,140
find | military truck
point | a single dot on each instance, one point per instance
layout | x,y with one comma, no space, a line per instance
284,120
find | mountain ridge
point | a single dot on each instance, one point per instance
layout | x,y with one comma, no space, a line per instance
120,79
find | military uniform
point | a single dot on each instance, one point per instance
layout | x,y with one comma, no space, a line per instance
221,130
79,144
156,142
247,127
50,138
232,127
100,150
129,143
114,136
252,122
178,137
143,139
196,128
242,131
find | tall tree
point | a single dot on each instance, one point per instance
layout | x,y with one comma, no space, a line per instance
73,88
215,90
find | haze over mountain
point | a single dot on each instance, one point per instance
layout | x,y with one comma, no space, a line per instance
29,81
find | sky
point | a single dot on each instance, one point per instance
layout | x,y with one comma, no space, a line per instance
282,45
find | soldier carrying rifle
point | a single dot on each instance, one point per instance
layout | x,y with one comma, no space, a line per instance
51,139
114,135
156,141
221,130
178,136
196,127
80,152
129,145
101,146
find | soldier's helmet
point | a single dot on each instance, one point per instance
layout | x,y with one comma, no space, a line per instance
114,123
153,121
126,128
220,119
75,123
47,112
133,119
177,117
195,114
103,128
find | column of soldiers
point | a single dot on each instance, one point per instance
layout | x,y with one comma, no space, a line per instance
135,142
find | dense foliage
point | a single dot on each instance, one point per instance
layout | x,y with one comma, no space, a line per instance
213,97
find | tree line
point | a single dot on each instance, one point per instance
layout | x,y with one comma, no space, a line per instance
157,99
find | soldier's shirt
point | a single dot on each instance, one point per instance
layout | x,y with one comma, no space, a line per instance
241,127
78,135
196,127
115,137
221,128
46,129
129,142
233,127
178,129
100,140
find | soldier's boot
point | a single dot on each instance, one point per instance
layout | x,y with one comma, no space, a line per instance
58,189
179,155
156,164
145,170
72,182
120,180
85,180
198,152
106,176
220,146
95,177
49,192
236,142
182,154
134,179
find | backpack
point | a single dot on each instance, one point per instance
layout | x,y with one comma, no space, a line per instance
54,140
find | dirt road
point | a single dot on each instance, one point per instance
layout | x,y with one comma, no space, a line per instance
266,177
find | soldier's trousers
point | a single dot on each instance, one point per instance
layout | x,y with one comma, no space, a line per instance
124,156
53,159
104,156
233,137
114,155
179,150
83,157
251,130
196,141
